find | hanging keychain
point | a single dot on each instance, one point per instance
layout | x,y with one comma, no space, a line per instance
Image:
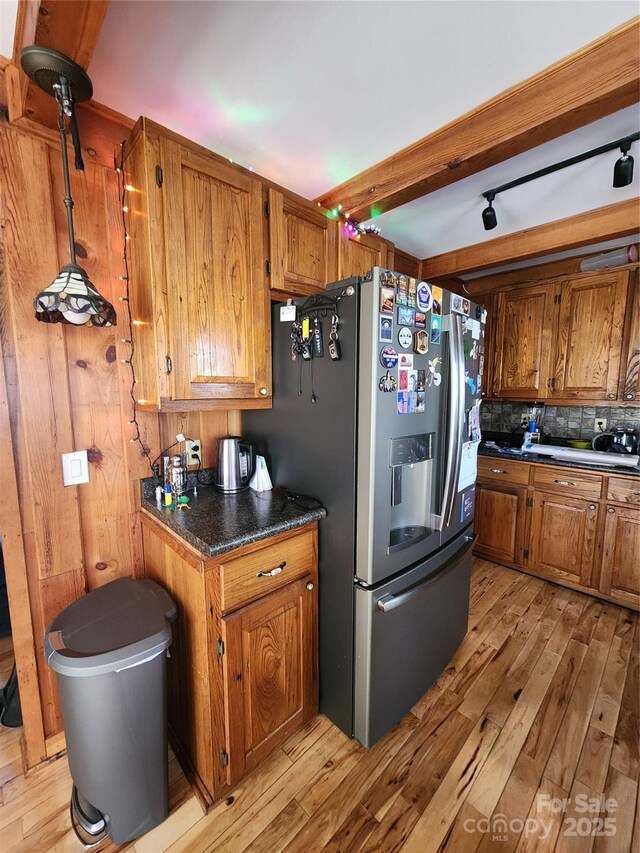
296,340
306,339
334,343
318,344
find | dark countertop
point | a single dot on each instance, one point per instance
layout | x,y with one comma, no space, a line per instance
218,522
496,453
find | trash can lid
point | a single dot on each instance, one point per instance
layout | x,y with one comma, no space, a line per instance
118,625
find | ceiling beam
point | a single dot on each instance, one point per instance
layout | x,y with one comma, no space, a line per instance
594,226
523,275
25,34
597,80
70,26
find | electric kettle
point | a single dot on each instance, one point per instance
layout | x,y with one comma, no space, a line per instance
235,464
618,441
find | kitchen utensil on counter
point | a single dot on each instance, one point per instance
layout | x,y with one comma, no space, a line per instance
235,464
580,443
622,440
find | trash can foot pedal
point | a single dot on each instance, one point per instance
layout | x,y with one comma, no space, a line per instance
88,824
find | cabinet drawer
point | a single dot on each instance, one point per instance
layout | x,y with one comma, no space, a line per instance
503,469
568,482
247,578
624,491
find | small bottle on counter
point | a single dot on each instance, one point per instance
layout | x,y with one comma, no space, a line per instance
178,476
168,496
532,434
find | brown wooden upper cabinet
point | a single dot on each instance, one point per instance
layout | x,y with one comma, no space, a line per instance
630,385
356,257
567,340
588,341
302,246
523,342
198,290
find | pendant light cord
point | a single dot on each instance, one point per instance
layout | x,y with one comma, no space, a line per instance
137,438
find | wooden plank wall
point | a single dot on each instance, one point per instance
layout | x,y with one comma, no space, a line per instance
67,389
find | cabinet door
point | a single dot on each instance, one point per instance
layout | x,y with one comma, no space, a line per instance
271,681
631,368
499,521
588,342
218,298
620,574
356,257
523,340
302,246
563,538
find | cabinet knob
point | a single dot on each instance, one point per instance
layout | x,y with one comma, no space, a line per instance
629,396
610,509
592,506
611,396
309,586
564,482
263,392
497,471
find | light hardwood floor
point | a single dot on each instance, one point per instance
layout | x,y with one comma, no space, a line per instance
540,704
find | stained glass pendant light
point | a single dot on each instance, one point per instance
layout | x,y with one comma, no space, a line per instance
71,297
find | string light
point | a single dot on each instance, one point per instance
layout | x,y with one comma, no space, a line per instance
352,228
130,340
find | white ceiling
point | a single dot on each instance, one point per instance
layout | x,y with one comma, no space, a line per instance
311,93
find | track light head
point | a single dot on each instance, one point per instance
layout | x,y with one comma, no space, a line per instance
489,218
623,169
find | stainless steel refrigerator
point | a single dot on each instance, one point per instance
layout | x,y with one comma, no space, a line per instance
385,437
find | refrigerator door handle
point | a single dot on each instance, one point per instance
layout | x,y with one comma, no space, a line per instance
455,426
390,602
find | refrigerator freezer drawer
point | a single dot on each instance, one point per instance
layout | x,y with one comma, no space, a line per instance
407,631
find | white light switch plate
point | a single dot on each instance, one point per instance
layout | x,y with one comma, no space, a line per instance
75,468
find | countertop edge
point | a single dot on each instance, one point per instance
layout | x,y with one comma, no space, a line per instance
534,459
206,550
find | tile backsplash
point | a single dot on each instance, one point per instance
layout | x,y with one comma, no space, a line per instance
560,421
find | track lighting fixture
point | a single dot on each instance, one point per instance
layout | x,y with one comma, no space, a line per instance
489,218
623,169
622,173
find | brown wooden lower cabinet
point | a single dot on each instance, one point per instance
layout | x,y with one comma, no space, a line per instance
620,577
243,672
575,527
270,673
500,517
563,538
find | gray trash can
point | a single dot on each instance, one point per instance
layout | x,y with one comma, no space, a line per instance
109,651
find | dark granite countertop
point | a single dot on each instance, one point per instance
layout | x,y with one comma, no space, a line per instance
498,453
217,522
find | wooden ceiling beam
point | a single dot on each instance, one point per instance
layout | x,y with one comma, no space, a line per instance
25,33
597,80
70,26
523,275
594,226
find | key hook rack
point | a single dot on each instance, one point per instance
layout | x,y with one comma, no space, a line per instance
320,304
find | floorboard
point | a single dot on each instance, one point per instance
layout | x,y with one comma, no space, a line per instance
540,702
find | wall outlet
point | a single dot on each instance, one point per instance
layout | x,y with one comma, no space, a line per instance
193,451
524,421
600,425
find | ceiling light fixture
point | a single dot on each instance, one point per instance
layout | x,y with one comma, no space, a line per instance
489,218
622,173
623,169
71,297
